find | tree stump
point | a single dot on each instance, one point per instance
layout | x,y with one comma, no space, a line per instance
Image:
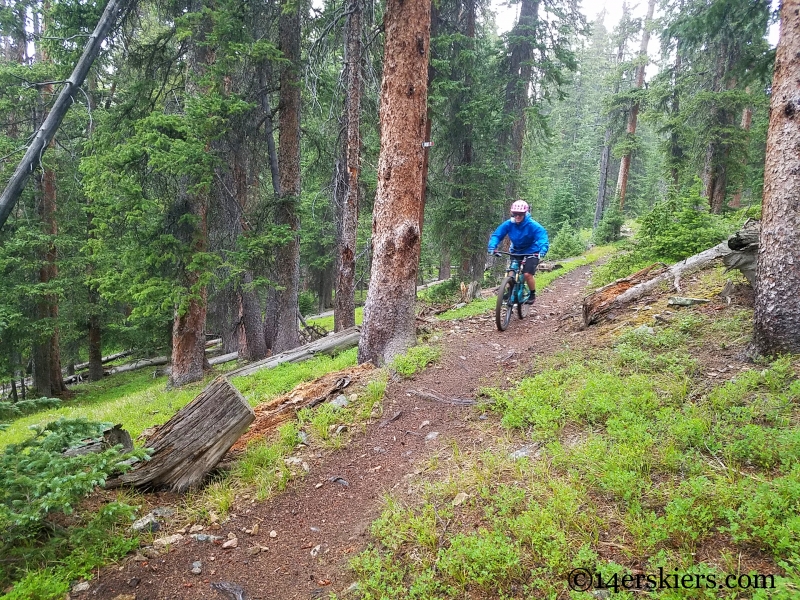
193,441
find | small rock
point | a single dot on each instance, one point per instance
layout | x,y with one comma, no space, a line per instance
134,581
340,401
315,550
124,597
196,528
303,437
525,451
483,417
424,424
253,550
215,527
460,498
273,534
379,450
150,553
432,435
167,541
231,536
459,305
148,523
353,397
317,486
197,567
292,460
204,537
601,594
163,512
213,517
182,530
254,530
340,480
341,429
83,586
232,543
645,329
315,529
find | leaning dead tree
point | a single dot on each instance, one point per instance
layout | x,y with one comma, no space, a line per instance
603,303
115,10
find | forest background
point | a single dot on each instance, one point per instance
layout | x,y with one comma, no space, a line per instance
218,169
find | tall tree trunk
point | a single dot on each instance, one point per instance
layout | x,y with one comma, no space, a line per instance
777,301
675,150
602,188
633,115
747,120
189,324
283,316
389,326
522,39
344,312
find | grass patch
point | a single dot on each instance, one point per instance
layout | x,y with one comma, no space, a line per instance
269,383
477,307
327,322
415,359
640,464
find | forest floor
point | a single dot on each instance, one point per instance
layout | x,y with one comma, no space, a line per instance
306,535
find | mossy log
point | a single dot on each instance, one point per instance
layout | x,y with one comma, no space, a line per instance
188,446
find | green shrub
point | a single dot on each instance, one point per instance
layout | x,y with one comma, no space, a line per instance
566,243
415,359
680,227
13,410
36,479
608,229
307,302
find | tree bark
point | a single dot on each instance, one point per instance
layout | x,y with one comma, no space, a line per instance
747,120
113,12
283,316
188,446
189,324
389,326
777,297
633,115
344,313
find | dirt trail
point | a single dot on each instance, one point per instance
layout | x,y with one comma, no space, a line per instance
320,527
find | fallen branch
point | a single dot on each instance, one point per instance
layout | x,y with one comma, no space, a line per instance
330,344
601,304
437,397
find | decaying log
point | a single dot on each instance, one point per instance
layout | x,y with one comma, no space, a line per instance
114,436
330,344
744,246
601,304
193,441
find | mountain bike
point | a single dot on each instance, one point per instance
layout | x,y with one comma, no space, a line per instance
513,292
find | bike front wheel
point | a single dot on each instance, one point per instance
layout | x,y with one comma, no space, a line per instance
505,303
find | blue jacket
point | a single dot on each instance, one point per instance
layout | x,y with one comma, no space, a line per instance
526,238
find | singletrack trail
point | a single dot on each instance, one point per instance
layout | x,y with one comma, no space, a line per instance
320,522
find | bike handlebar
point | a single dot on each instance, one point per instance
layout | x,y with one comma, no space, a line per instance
501,252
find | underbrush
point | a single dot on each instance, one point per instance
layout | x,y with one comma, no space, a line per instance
623,460
674,229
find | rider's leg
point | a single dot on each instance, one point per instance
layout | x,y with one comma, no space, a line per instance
531,282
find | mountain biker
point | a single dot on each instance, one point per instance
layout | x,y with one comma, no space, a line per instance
528,238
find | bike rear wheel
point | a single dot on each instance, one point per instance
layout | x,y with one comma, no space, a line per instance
505,303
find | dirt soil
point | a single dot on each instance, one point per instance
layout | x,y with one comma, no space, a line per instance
308,533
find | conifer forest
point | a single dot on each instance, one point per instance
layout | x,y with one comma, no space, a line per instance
224,165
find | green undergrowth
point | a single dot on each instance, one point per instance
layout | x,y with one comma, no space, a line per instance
327,322
268,383
635,459
477,307
415,359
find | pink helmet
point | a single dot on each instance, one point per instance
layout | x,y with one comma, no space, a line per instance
519,206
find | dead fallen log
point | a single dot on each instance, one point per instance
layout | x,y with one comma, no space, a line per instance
114,436
104,360
744,250
330,344
193,441
602,303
